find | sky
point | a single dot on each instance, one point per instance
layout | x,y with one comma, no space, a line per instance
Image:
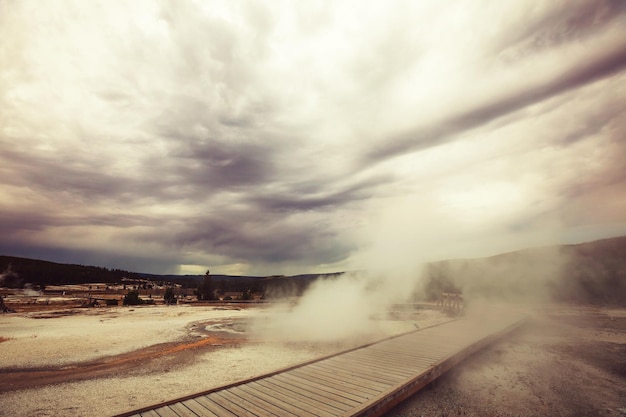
285,137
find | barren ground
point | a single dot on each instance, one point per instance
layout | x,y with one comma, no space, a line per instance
566,361
104,361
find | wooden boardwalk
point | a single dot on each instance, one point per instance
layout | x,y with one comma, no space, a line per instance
365,381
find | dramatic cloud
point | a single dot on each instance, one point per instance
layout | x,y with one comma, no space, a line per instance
292,137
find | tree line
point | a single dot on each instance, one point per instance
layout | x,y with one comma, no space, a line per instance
18,272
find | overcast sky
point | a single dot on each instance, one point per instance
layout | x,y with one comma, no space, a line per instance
281,137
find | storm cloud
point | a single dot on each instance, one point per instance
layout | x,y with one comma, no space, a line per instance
264,138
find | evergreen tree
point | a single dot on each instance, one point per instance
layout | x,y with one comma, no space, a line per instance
132,299
206,290
169,296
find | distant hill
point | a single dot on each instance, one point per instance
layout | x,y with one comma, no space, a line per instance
593,272
275,286
17,272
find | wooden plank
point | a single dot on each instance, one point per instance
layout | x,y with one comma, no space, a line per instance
382,355
386,369
234,404
415,357
404,361
281,408
333,388
360,379
166,412
306,385
387,361
354,378
414,353
409,348
340,392
409,368
408,342
356,392
257,405
150,413
427,349
435,338
353,364
181,410
307,395
282,395
359,369
197,408
214,407
332,377
320,397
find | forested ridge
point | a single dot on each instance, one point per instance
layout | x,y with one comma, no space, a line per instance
592,272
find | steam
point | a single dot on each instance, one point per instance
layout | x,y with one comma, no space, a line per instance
351,306
29,291
330,309
525,276
355,305
398,251
8,276
11,279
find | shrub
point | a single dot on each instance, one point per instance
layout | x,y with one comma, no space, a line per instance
169,296
132,298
